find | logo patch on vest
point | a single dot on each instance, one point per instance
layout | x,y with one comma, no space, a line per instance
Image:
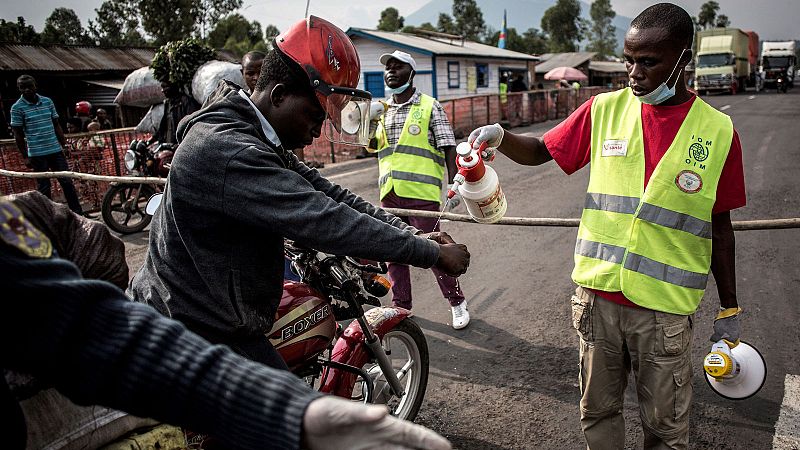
17,232
699,149
689,181
414,129
615,147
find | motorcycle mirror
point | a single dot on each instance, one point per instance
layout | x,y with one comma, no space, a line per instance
153,203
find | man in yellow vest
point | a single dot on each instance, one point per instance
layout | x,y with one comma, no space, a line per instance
666,170
415,142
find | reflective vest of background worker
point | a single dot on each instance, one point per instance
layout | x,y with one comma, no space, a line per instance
415,142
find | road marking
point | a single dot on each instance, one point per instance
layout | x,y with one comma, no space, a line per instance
724,107
347,174
787,428
751,97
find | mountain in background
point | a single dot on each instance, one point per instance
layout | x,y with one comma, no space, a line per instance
522,14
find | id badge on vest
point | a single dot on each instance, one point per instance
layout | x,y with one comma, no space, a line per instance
615,147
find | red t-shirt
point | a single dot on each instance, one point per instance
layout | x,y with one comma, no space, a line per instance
570,145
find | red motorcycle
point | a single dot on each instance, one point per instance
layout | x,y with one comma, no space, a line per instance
380,357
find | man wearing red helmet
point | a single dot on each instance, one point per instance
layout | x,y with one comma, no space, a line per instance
235,191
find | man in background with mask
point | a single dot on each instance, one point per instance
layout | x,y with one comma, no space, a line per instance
666,170
415,142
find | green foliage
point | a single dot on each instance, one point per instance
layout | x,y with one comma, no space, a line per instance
391,20
708,13
18,32
170,20
177,61
64,27
563,26
723,21
117,24
468,19
532,42
445,24
427,26
235,27
167,20
270,32
602,33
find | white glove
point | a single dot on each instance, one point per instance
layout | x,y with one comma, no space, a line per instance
376,110
491,134
455,200
333,423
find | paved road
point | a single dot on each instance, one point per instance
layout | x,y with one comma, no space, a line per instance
509,381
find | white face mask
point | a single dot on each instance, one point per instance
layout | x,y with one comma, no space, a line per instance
662,93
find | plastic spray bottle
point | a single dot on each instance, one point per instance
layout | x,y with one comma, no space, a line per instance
478,185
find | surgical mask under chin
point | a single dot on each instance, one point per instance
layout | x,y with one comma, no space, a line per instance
662,93
399,89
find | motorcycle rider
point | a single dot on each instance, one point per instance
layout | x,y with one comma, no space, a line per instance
235,191
96,347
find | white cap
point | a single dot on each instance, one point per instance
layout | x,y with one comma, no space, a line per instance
400,56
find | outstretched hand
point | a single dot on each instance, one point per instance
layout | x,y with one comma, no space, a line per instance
333,423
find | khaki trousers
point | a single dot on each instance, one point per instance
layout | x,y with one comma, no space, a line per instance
616,339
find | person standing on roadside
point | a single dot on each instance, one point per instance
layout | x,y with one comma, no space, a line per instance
40,139
666,170
416,150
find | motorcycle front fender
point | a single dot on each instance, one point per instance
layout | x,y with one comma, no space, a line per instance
351,349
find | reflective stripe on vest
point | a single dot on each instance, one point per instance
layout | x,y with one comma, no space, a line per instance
652,244
411,151
412,168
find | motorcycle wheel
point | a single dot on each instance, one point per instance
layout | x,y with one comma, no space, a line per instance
123,213
408,352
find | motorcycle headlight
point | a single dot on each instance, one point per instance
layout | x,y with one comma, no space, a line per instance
130,160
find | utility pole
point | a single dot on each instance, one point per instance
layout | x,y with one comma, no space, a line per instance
307,3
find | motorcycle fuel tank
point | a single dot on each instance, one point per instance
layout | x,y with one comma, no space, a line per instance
304,324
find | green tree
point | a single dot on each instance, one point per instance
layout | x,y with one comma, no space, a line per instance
18,32
532,42
445,24
723,21
602,33
270,32
64,27
468,19
208,12
116,24
391,20
235,27
563,26
708,13
169,20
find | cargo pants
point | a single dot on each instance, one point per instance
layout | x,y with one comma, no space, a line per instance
656,346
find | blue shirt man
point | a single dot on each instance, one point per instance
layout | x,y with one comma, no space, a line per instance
40,140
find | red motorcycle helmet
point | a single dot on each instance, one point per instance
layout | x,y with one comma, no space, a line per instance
83,108
329,58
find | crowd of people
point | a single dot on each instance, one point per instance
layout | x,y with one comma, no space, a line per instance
191,349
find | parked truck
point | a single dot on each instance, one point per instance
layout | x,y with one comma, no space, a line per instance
778,58
727,60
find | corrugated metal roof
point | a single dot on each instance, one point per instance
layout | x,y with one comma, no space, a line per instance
439,46
552,60
111,84
607,67
64,58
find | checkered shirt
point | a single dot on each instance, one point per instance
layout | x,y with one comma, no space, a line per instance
440,133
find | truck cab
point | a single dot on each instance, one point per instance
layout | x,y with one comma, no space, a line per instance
778,59
726,60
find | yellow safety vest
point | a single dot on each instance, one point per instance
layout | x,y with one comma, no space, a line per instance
653,244
503,93
412,167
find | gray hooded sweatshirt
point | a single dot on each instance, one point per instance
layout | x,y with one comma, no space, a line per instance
215,258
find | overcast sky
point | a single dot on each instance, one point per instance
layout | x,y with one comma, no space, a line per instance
771,19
